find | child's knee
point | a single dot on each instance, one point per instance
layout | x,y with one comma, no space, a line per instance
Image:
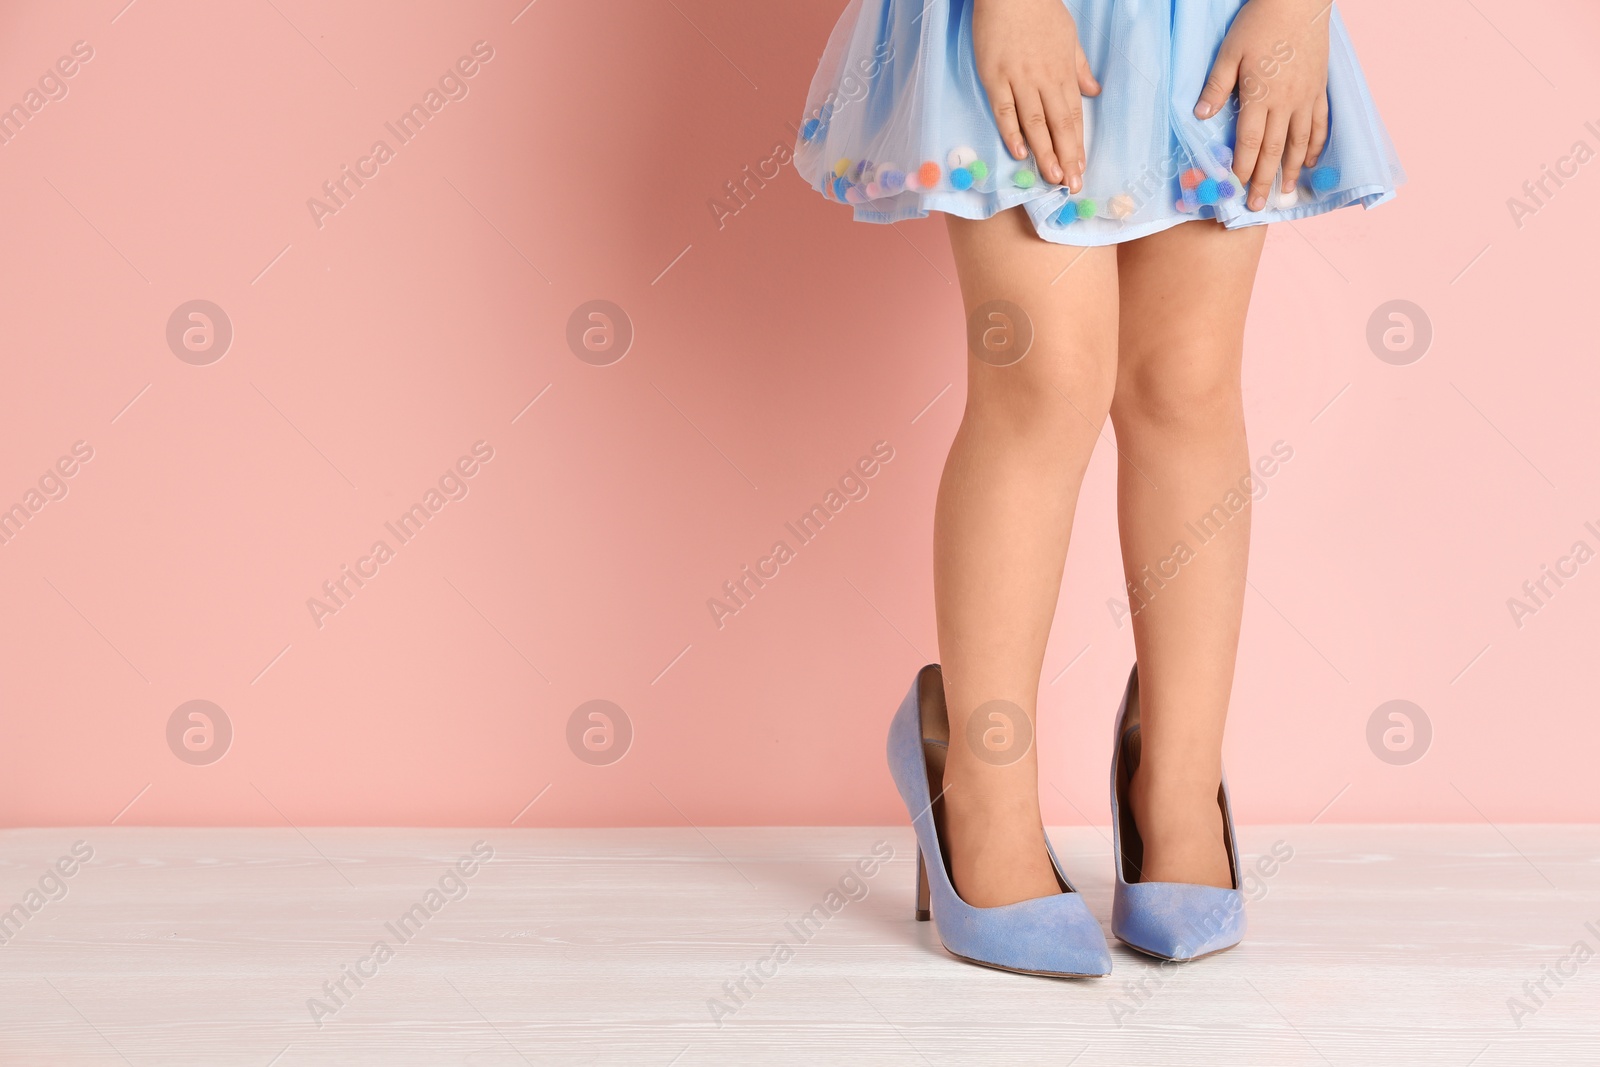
1191,389
1052,397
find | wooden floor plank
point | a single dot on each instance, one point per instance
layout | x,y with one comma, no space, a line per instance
1371,944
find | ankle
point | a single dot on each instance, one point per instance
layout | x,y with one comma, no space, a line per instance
995,809
1167,810
975,781
1178,787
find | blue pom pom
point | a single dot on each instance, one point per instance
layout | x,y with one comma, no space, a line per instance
892,180
1206,192
1190,200
839,187
1225,190
809,130
1325,179
1066,216
961,178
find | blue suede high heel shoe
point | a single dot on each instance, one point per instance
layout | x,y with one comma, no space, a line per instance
1169,920
1052,935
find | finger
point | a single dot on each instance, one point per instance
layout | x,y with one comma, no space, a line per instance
1269,160
1005,116
1294,154
1252,125
1224,76
1319,130
1087,85
1036,128
1065,110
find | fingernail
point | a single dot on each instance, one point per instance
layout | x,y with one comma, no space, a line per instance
1204,109
1257,203
1288,186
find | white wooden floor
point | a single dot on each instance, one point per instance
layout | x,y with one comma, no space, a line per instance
1370,945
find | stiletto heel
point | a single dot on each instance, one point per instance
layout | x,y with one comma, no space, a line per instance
923,913
1168,920
1053,935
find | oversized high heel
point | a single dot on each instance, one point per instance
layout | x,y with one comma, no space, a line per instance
1052,935
1168,920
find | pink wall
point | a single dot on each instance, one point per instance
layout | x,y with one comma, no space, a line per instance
373,347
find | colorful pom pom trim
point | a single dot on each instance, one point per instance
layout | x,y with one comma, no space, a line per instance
960,157
857,181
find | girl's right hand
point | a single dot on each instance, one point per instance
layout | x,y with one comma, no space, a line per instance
1036,75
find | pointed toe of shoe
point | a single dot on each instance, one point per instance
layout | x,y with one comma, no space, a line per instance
1176,921
1053,935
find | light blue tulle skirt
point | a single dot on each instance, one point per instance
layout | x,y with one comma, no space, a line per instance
897,124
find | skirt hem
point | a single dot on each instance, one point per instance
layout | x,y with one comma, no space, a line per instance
1080,235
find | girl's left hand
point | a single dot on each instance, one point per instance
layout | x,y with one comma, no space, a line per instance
1276,54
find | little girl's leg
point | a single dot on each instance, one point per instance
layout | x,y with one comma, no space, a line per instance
1003,519
1184,515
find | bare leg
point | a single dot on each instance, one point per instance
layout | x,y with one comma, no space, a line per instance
1179,421
1001,528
